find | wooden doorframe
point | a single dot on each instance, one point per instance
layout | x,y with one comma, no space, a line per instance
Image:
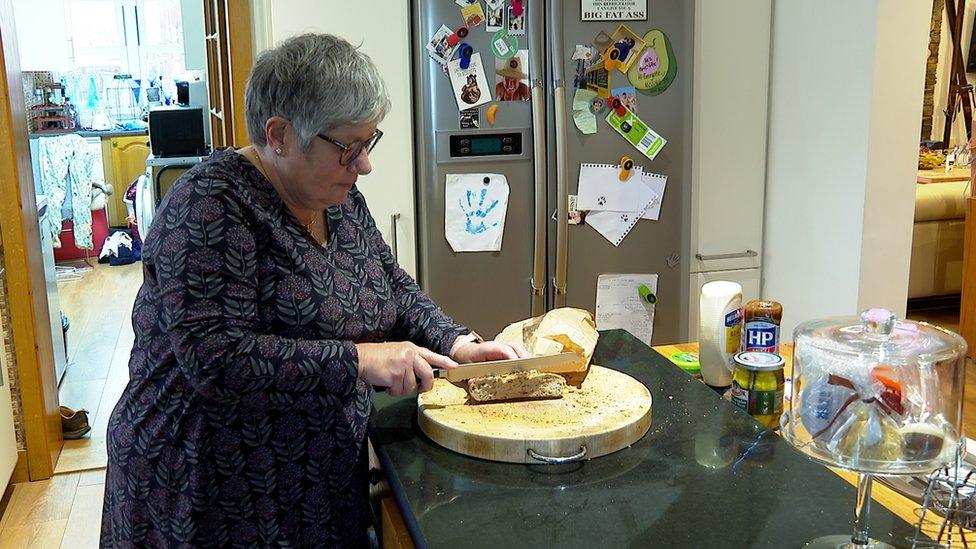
26,288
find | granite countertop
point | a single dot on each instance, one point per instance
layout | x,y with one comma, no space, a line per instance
659,491
92,133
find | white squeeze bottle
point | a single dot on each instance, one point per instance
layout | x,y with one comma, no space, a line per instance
720,318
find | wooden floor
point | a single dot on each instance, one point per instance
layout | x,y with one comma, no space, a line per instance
65,511
99,308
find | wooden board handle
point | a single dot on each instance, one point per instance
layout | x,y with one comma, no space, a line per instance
549,459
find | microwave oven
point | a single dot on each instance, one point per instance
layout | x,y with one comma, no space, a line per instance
176,131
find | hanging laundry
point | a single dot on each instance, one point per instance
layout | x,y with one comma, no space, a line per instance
67,162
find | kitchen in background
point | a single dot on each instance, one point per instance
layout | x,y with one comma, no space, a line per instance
96,74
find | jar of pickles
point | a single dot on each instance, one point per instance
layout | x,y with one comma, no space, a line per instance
757,385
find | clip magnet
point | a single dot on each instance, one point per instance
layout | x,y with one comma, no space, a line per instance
646,295
457,35
465,52
618,106
626,165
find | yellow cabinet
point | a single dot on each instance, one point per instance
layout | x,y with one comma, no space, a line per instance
128,161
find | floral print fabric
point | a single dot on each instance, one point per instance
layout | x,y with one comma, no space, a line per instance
67,161
243,422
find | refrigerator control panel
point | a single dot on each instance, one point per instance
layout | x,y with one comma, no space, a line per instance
474,145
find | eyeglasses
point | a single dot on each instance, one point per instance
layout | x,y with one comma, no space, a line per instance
352,151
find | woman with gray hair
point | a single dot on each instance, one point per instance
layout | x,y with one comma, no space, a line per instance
270,307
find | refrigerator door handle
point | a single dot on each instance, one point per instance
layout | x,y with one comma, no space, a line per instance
562,141
537,74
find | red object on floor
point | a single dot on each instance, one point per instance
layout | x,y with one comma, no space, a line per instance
68,250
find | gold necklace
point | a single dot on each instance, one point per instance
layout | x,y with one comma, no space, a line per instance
260,165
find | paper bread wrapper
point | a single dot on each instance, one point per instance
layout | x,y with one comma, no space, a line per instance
557,331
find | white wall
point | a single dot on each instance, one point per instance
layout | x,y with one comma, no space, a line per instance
845,110
383,29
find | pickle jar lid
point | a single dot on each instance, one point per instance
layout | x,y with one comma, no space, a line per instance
758,361
879,334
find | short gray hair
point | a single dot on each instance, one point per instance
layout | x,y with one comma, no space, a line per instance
318,82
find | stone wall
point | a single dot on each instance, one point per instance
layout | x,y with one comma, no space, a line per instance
8,347
931,69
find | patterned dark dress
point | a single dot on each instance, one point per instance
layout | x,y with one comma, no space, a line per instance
243,423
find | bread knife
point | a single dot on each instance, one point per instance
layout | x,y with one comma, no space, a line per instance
559,363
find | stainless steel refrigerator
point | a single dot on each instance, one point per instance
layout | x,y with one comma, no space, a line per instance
544,262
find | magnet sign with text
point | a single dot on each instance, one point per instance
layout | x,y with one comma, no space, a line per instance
613,10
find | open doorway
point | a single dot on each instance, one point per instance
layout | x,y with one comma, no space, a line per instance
936,270
92,71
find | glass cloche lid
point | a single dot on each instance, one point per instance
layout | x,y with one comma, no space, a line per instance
876,394
878,333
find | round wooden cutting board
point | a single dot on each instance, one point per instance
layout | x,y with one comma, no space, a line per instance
610,412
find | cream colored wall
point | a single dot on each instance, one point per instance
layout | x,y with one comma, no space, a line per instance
383,29
845,111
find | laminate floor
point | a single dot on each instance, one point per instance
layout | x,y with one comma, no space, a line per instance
99,308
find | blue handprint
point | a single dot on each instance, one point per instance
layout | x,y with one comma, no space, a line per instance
474,218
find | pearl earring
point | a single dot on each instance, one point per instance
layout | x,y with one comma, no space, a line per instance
278,151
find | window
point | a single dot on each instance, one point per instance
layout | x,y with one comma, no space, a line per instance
143,38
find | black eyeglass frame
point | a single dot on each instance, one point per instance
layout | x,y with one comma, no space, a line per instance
367,146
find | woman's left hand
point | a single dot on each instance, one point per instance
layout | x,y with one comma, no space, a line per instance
489,350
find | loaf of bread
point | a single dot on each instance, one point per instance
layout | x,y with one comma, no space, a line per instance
521,385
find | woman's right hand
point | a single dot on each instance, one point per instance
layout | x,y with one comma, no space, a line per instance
399,365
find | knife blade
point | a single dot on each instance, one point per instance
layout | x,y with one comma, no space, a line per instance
559,363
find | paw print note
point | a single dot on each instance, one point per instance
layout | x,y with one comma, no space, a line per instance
474,211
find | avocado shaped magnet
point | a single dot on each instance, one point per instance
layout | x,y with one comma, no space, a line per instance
656,67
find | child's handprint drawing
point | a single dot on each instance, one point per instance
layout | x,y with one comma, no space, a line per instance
474,217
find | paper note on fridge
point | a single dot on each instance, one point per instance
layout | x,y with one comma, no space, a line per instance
475,205
620,305
600,188
657,183
639,134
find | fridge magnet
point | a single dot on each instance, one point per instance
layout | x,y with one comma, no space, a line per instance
613,10
474,211
516,20
511,81
602,41
639,134
495,15
469,118
627,96
625,49
597,105
583,116
504,45
473,15
470,85
491,113
576,215
584,56
655,69
598,80
438,46
465,3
